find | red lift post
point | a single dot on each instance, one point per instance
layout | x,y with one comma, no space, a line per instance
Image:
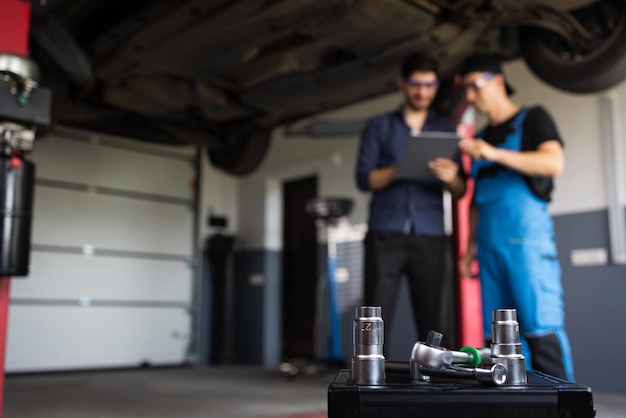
14,34
469,295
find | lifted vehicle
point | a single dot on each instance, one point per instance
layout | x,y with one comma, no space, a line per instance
223,73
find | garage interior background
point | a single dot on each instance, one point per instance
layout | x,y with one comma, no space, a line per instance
115,230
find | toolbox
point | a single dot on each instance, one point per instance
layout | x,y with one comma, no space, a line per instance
543,396
438,382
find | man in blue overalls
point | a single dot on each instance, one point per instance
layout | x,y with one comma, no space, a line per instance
511,231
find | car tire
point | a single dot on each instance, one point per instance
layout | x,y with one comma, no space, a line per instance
597,69
240,155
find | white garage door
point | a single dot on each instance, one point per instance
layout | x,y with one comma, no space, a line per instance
111,273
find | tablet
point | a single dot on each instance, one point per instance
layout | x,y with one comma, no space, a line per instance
423,148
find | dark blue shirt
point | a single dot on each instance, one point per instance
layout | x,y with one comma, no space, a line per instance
404,206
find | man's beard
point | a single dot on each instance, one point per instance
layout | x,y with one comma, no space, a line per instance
415,106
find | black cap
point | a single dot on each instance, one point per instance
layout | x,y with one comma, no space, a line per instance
486,64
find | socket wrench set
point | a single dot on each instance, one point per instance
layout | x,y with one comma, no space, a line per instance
439,382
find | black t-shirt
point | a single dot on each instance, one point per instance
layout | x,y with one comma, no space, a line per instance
538,128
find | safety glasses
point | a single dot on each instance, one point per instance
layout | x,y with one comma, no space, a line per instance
421,83
479,82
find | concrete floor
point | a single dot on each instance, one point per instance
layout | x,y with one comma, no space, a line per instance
194,392
216,392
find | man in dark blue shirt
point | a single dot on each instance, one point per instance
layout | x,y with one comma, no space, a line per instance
406,234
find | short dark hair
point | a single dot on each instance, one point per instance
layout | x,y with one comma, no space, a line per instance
418,61
482,64
486,64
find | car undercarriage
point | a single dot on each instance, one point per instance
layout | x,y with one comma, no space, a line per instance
224,73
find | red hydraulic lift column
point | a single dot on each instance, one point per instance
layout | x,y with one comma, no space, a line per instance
469,294
14,32
4,320
14,26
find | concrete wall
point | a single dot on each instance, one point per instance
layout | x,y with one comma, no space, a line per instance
218,195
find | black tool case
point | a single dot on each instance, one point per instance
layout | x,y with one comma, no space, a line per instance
543,396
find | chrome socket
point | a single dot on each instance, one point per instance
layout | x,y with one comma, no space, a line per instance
506,347
368,334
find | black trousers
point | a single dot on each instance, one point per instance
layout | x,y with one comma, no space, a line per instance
428,265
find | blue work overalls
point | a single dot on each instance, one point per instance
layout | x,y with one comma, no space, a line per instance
517,253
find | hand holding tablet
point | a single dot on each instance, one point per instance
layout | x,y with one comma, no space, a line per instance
424,148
